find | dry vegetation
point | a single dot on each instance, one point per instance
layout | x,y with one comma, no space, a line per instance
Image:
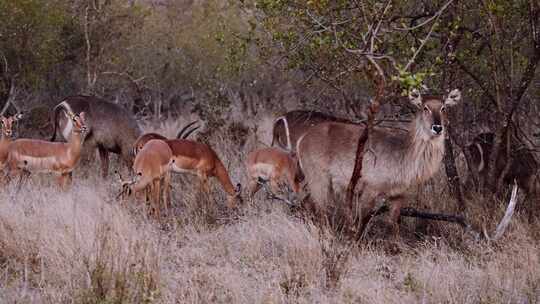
84,246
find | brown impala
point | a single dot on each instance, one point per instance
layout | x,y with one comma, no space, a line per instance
33,155
275,165
152,167
393,160
194,157
6,138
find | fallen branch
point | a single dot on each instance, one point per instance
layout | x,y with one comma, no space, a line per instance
460,220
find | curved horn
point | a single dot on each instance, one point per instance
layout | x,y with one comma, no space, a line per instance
54,115
188,133
181,133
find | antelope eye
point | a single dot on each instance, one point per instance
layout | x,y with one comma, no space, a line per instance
442,109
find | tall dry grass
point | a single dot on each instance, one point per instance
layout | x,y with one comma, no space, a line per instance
83,246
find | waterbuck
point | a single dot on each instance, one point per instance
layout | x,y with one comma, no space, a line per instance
393,161
110,127
523,167
289,127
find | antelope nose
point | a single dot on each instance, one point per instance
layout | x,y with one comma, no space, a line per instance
437,129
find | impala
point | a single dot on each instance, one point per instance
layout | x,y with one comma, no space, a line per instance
194,157
275,165
33,155
393,160
6,137
110,127
152,167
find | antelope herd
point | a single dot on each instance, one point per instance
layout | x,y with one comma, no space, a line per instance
314,152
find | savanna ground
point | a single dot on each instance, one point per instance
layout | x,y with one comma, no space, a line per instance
235,65
85,246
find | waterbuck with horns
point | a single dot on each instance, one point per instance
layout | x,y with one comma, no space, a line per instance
393,160
110,127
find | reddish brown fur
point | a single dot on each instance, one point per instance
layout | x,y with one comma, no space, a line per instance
151,166
6,137
34,155
198,158
272,164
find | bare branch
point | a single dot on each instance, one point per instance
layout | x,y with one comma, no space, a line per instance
424,41
4,59
11,98
435,16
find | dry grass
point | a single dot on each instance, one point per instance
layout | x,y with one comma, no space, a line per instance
83,246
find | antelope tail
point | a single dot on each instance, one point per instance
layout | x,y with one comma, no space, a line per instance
223,177
275,132
54,116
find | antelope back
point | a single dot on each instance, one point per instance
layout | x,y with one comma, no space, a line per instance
289,127
143,139
152,162
109,125
279,160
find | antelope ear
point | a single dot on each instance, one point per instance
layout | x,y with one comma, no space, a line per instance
453,98
18,116
415,98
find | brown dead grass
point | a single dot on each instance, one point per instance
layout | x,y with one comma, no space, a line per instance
84,247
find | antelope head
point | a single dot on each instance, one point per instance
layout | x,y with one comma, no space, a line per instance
433,117
7,124
79,121
126,185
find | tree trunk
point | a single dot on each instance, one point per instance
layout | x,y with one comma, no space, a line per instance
452,176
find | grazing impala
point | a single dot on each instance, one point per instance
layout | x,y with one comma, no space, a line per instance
152,168
289,127
275,165
393,160
33,155
6,138
193,157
